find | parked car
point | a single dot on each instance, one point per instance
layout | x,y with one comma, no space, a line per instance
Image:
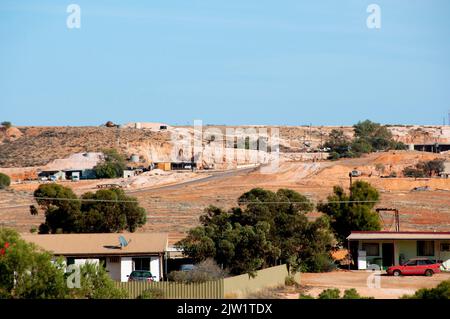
416,266
355,173
187,267
141,275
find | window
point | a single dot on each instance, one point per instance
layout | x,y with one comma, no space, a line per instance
141,263
371,249
425,248
424,262
445,247
411,263
114,259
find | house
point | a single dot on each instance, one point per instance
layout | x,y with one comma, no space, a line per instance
386,248
446,172
78,174
142,251
52,175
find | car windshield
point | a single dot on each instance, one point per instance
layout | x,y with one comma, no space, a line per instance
141,274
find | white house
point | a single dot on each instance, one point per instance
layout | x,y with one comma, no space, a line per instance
144,251
393,248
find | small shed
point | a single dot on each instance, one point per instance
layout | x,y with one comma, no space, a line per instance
165,166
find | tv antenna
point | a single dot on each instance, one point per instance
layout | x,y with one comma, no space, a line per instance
123,242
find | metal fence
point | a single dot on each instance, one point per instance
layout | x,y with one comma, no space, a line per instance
231,287
175,290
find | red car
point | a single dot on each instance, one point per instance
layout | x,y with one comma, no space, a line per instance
416,266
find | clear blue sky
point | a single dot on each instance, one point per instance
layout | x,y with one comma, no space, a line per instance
225,62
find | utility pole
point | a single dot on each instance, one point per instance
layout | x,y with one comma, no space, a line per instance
350,188
396,216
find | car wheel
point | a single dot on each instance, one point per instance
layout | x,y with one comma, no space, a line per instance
397,273
428,273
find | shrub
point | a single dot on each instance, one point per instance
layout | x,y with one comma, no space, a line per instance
442,291
5,181
331,293
304,296
113,165
207,270
6,124
290,281
152,293
351,294
413,172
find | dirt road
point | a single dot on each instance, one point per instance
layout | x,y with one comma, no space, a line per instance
390,287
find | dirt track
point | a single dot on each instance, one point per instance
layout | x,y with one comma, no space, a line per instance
390,287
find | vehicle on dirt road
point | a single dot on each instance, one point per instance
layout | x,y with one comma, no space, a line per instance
416,266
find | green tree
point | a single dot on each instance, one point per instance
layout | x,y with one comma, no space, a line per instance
104,211
62,208
26,272
6,124
5,181
110,210
352,212
265,229
339,144
113,165
375,137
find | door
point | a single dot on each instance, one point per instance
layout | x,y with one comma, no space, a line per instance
388,254
410,268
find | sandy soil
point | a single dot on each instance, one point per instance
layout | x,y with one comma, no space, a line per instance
389,288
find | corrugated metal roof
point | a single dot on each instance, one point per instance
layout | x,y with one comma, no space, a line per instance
362,235
100,244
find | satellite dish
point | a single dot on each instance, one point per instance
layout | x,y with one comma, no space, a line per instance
123,242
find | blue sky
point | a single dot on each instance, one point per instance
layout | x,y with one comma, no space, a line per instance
224,62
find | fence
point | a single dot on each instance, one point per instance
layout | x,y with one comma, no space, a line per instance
175,290
237,286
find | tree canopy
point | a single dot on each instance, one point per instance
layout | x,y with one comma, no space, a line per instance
104,211
112,166
354,211
368,137
5,181
266,228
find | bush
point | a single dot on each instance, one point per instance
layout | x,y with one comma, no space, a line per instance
351,294
320,263
113,165
205,271
290,281
304,296
6,124
413,172
331,293
152,293
5,181
442,291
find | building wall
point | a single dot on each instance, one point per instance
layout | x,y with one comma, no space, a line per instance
407,249
155,267
113,269
126,267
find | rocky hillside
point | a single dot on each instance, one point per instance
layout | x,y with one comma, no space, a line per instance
37,146
40,145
